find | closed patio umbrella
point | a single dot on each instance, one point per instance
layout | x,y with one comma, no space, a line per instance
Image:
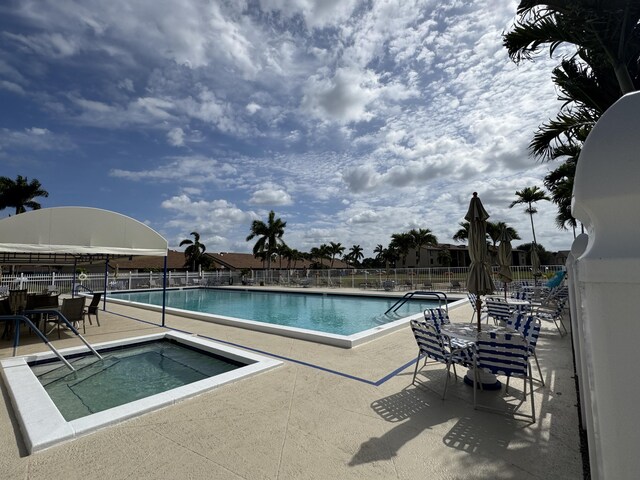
479,281
535,263
504,259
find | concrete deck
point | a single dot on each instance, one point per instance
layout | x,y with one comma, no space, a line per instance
326,413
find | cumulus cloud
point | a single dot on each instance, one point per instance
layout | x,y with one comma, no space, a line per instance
356,119
175,137
271,195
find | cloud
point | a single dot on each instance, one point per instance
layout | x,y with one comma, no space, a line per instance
175,137
33,139
271,195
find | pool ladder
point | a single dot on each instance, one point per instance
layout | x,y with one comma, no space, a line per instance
23,318
440,296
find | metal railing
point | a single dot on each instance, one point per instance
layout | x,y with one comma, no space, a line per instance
438,279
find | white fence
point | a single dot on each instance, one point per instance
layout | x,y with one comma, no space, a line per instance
376,279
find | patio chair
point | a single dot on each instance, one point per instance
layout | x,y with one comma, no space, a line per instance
92,308
529,328
472,297
73,310
437,316
555,315
455,286
505,354
17,300
433,344
498,310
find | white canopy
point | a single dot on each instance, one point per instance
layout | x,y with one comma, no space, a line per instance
79,231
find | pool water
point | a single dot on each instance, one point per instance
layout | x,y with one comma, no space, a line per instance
125,375
335,314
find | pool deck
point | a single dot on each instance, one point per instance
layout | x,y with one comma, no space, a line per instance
327,413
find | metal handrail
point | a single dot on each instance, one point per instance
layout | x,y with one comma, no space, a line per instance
440,296
22,318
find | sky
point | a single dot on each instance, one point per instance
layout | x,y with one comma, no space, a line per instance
352,120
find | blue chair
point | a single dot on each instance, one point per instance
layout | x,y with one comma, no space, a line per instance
432,344
529,327
438,316
502,353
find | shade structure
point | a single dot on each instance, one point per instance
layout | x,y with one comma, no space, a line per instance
78,231
479,280
504,258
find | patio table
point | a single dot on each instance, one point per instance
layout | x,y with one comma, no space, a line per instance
464,333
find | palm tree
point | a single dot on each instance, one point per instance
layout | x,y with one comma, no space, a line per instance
20,193
402,243
529,196
494,230
422,237
355,254
269,236
602,32
335,249
444,257
193,254
462,235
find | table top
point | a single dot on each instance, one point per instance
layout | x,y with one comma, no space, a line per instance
469,331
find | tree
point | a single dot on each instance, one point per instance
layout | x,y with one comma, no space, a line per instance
494,230
444,257
194,253
269,235
422,237
335,249
529,196
355,254
462,235
20,193
546,257
402,243
603,67
601,31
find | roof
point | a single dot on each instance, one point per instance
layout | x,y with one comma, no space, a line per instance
63,235
175,261
241,261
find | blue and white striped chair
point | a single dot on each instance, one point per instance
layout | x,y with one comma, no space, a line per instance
502,353
436,346
438,316
498,310
555,315
529,328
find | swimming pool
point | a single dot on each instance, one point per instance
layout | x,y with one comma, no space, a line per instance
41,421
336,319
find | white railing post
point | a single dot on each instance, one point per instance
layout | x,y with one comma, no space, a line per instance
605,200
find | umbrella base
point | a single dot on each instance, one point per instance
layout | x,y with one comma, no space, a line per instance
487,380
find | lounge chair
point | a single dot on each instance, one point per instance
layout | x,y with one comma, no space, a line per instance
455,286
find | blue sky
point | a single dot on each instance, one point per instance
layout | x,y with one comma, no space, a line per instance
351,120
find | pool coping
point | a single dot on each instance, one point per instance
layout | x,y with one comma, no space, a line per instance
43,426
336,340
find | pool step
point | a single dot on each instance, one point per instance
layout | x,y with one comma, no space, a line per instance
81,364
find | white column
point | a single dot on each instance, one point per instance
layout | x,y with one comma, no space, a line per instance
577,332
607,201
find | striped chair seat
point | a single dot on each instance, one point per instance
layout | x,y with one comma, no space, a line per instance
502,353
498,309
432,344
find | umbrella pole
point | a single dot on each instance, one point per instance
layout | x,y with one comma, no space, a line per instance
505,291
478,309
